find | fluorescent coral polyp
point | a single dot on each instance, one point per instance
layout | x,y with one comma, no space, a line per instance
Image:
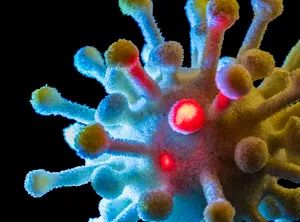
191,144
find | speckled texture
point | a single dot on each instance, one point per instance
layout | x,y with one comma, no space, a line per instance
226,170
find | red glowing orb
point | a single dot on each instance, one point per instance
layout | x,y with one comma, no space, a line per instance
186,116
166,161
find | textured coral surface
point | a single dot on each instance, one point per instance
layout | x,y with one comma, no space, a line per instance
174,143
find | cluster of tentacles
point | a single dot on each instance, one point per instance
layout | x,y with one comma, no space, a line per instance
190,144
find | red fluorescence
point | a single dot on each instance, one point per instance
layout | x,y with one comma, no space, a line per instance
144,80
186,116
222,102
166,161
218,22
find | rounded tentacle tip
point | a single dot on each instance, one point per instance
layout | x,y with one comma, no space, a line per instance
122,53
200,6
260,64
88,60
112,110
38,183
43,100
234,81
155,205
107,183
168,55
92,141
251,154
268,9
222,14
196,9
219,211
130,7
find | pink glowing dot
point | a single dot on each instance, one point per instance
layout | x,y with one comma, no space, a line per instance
186,116
166,161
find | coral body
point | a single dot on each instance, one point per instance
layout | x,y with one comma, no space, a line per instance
185,144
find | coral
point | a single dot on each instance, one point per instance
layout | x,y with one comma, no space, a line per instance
171,143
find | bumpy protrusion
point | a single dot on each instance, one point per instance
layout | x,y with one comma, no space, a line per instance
251,154
289,137
221,15
234,81
113,110
106,182
122,54
167,56
46,97
281,100
40,182
91,141
89,62
48,101
284,116
196,11
196,14
220,133
218,208
122,208
155,205
260,64
198,38
275,83
71,132
295,76
283,170
264,12
125,55
270,9
117,82
142,12
129,7
292,61
219,211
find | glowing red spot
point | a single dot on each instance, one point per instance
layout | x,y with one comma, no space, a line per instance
144,80
186,116
221,102
166,161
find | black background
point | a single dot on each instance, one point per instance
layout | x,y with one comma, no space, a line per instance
50,34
